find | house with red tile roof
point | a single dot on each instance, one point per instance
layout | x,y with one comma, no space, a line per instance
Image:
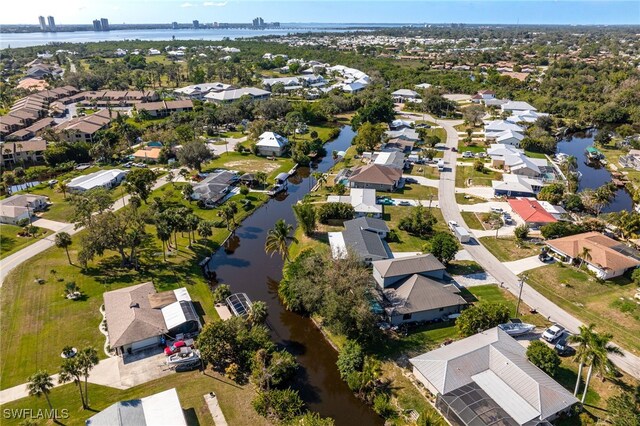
531,212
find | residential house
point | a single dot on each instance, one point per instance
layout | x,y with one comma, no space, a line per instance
531,212
391,271
160,409
165,108
509,137
212,189
139,318
381,178
271,144
31,151
364,237
392,158
483,95
294,82
398,144
232,95
513,160
83,129
400,124
31,131
556,211
21,206
363,201
604,256
422,86
525,116
516,186
515,106
32,84
406,134
198,91
405,95
487,379
148,154
101,179
493,128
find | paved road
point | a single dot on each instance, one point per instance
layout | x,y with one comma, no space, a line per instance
630,363
11,262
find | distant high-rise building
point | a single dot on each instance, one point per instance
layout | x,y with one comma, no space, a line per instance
43,23
97,26
196,24
258,22
174,25
52,23
104,22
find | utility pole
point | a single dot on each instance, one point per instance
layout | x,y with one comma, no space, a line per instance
524,277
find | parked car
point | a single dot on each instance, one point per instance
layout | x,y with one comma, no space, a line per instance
454,149
467,154
563,348
452,224
189,366
544,257
481,155
496,210
175,347
553,333
404,203
410,180
387,202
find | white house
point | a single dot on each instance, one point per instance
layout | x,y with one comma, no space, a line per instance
271,144
22,206
516,186
492,128
404,95
514,106
393,159
525,116
103,178
487,379
509,137
363,202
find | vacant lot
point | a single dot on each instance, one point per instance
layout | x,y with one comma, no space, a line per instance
471,219
249,163
506,249
414,191
467,176
606,304
406,241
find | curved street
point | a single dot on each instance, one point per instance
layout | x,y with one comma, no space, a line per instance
630,363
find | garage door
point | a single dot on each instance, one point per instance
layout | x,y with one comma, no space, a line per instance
142,344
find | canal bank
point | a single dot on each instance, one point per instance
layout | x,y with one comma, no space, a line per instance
243,264
593,175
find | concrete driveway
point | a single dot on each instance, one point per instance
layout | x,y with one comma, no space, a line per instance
229,146
50,224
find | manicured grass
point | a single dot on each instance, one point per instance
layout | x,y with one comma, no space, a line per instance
471,219
10,242
419,340
464,267
247,162
36,321
426,170
235,400
505,249
406,241
468,199
494,294
414,191
591,301
532,154
473,147
319,241
484,178
435,130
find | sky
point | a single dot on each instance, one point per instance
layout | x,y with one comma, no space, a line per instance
580,12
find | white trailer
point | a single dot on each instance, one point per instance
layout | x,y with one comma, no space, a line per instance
461,234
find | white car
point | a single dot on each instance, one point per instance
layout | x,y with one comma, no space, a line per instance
467,154
452,224
552,333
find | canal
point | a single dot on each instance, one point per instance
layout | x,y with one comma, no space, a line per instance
593,176
245,267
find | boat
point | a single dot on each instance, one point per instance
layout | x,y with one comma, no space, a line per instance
517,329
593,154
278,188
183,357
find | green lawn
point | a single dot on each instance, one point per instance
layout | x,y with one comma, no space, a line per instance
234,399
466,173
464,267
505,249
406,241
36,321
532,154
247,162
428,171
10,242
471,219
609,305
473,147
493,293
435,130
414,191
468,199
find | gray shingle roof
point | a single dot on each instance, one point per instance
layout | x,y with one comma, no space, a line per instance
365,243
407,265
418,293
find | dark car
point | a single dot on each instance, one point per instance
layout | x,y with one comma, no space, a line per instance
189,366
544,257
563,348
410,180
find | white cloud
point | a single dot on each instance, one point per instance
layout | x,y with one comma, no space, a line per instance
214,3
187,4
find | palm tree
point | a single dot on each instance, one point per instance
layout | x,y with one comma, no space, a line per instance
62,187
87,359
191,222
261,177
258,313
40,383
599,358
585,255
228,212
163,232
70,371
277,239
583,339
63,240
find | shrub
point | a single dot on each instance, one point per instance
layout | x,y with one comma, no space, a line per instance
560,229
419,222
478,165
244,191
521,232
350,359
481,316
543,357
278,405
340,211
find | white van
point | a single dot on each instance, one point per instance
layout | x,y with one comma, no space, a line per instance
440,164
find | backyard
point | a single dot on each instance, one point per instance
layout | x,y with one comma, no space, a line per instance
609,305
404,240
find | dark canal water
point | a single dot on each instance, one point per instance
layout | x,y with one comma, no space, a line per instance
245,267
593,176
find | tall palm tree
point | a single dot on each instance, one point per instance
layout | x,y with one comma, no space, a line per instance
585,255
70,371
62,187
583,339
599,358
87,359
40,383
277,239
163,232
63,240
258,313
